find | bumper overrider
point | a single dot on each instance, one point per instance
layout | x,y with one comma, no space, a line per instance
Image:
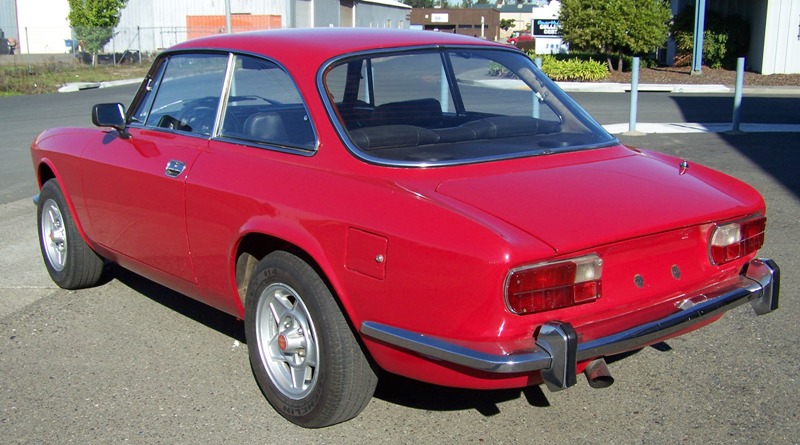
555,350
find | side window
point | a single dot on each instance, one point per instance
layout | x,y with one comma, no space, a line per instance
265,107
184,95
481,78
414,77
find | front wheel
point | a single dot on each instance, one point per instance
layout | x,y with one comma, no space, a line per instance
71,263
304,355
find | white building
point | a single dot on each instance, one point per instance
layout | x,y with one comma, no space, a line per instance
41,26
150,25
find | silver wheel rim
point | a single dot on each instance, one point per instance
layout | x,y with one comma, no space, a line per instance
54,235
287,341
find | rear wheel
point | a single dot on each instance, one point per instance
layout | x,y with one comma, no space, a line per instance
304,355
71,263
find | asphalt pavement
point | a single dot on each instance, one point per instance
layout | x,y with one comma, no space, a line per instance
130,361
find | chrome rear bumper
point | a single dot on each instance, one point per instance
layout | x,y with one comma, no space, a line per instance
555,351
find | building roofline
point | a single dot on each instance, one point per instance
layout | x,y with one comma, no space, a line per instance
394,3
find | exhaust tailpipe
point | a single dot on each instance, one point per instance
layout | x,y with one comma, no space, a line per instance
597,374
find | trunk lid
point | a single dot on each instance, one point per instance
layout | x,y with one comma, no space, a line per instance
576,206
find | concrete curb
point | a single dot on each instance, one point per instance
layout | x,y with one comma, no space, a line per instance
79,86
610,87
689,127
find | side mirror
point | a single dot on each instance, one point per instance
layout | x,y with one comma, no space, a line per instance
110,115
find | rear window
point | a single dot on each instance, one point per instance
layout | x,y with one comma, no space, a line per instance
453,106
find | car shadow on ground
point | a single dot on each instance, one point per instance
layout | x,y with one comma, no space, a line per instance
188,307
419,395
391,388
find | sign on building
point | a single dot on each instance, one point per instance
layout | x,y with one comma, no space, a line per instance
548,28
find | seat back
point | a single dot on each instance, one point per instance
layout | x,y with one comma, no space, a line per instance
266,127
426,113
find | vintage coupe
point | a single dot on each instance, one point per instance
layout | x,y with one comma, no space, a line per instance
425,204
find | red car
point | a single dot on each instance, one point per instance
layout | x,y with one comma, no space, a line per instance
519,36
384,202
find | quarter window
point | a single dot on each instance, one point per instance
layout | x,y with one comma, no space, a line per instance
265,107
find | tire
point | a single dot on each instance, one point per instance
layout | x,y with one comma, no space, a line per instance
69,260
304,355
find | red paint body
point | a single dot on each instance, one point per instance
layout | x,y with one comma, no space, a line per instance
448,236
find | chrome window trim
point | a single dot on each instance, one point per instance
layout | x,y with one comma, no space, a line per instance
364,156
223,102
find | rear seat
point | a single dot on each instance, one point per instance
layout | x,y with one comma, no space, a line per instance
426,113
392,136
395,136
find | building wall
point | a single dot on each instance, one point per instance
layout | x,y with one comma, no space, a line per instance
370,15
43,26
304,14
8,18
781,38
326,13
521,21
150,25
459,21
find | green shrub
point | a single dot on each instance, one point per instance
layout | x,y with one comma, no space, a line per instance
574,69
644,61
497,70
527,45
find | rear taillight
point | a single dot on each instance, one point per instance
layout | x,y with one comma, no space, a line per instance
736,240
554,285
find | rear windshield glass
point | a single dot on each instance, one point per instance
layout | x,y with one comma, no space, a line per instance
454,106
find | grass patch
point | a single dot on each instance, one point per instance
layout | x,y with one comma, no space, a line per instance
49,76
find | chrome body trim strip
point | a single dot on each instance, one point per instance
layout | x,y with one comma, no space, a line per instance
759,285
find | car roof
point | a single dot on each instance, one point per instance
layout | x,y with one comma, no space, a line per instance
315,45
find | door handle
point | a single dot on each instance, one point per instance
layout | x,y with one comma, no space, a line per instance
174,168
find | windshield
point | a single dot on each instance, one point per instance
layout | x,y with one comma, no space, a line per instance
453,106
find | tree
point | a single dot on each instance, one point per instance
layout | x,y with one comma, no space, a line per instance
615,27
506,24
94,21
419,3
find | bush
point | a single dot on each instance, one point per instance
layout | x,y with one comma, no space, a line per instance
644,61
573,69
497,70
527,45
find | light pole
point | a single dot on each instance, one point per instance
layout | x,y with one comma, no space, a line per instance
699,29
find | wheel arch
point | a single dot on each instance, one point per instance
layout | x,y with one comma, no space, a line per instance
45,171
253,246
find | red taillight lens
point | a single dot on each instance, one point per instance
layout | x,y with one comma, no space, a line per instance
547,286
737,239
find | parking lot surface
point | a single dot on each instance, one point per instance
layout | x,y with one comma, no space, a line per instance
132,362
